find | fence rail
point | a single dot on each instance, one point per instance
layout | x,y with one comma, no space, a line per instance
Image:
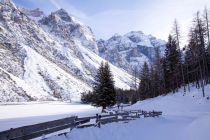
37,130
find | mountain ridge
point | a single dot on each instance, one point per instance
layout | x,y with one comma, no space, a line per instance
54,64
55,57
131,50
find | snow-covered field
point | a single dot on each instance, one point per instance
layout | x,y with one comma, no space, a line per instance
184,118
21,114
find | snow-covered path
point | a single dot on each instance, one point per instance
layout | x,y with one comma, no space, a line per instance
184,118
16,115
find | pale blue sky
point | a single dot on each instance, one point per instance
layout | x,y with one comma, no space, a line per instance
107,17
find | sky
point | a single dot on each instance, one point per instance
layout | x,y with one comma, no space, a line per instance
107,17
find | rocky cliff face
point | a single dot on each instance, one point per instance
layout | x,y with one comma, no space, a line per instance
131,50
61,24
48,57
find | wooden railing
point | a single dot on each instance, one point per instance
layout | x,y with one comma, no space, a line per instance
38,130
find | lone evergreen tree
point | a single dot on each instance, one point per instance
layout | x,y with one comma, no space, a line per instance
104,91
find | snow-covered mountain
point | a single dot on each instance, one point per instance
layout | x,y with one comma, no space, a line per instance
61,24
47,57
131,50
35,14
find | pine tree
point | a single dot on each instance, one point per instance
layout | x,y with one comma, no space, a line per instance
158,73
172,65
153,76
197,50
206,20
165,76
200,31
192,59
104,87
109,89
144,85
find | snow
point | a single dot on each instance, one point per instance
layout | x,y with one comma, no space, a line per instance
20,83
121,50
19,114
36,63
56,62
140,38
120,81
49,66
32,76
9,88
184,118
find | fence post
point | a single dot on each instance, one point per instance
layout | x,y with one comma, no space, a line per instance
43,136
71,128
98,120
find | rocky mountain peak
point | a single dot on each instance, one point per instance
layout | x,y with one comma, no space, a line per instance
115,37
63,15
61,24
136,36
59,17
131,50
7,2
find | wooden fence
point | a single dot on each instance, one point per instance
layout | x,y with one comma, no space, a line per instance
41,129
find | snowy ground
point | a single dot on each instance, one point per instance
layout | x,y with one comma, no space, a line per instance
184,118
16,115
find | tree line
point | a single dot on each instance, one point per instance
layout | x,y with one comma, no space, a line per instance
178,67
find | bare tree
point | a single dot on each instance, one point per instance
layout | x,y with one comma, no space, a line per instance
200,35
206,20
177,36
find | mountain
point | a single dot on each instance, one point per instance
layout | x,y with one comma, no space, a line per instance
50,57
61,24
35,14
131,50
